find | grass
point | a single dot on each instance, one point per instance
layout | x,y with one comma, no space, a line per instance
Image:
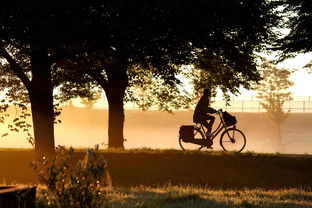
170,196
190,196
146,178
218,170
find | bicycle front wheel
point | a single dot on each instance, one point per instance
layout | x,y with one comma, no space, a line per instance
233,140
188,145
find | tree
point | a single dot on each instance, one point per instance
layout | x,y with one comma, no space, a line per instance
273,92
154,39
33,36
297,18
111,38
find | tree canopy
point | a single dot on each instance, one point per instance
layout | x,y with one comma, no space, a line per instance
115,42
297,18
273,91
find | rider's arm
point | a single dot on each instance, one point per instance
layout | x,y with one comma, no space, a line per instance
212,110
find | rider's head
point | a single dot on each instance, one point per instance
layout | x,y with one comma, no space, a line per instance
207,92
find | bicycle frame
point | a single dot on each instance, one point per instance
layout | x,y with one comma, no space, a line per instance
220,127
229,136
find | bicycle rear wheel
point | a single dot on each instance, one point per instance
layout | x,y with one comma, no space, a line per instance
233,140
188,146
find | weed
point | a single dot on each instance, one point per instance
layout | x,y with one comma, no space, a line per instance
70,183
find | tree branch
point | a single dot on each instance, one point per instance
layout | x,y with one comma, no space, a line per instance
99,78
18,71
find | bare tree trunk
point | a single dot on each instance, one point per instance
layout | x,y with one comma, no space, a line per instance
116,117
40,91
279,138
41,100
115,86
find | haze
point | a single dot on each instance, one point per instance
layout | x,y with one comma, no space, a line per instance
82,127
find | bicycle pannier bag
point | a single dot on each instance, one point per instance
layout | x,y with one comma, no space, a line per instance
186,132
229,119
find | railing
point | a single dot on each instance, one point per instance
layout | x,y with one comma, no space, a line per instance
299,104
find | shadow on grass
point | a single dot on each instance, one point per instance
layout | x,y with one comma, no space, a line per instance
157,168
182,199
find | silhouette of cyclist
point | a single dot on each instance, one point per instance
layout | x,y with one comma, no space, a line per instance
202,112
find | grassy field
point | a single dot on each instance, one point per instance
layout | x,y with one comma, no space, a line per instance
170,178
218,170
169,196
186,197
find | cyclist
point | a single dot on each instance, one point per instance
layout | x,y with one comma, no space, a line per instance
202,113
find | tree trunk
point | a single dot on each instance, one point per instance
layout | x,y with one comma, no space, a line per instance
115,86
116,117
41,100
279,138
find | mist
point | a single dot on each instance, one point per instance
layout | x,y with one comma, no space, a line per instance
83,128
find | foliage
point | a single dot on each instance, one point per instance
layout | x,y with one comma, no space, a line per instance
141,50
148,91
297,17
11,86
212,72
273,92
171,34
107,39
72,184
219,39
19,122
89,102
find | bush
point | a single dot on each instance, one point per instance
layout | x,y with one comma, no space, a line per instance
71,183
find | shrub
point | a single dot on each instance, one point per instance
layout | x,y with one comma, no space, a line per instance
72,183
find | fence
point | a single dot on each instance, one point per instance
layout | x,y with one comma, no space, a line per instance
299,104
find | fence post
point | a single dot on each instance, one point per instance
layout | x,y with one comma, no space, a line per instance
242,106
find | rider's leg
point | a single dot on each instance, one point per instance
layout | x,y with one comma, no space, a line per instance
208,133
206,125
211,120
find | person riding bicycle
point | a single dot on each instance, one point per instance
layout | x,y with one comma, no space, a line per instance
202,112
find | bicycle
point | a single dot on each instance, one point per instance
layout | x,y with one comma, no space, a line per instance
231,139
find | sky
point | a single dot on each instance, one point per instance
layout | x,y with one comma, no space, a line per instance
301,77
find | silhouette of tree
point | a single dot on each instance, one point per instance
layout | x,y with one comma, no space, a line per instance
297,17
273,92
33,37
153,39
89,102
104,42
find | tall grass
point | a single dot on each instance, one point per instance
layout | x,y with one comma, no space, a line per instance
186,197
197,179
189,196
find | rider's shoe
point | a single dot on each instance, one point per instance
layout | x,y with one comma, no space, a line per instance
209,135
